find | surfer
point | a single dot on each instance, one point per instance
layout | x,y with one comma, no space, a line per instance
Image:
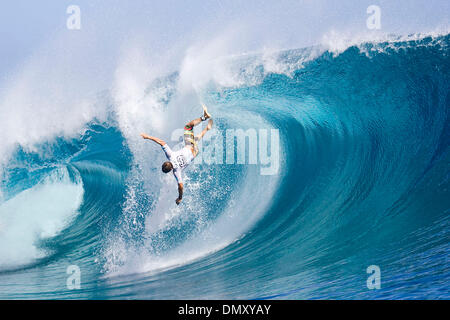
179,160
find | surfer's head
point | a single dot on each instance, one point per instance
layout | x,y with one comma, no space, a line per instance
167,166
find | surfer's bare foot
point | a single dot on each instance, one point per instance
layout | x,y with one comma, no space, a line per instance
205,112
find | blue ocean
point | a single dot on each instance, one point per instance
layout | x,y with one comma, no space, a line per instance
362,180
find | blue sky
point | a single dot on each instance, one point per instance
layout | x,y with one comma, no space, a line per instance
26,26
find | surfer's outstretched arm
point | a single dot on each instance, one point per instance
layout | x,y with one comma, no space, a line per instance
158,141
180,193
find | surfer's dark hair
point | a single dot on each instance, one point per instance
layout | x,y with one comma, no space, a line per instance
167,166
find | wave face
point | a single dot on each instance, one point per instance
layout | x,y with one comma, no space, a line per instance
363,180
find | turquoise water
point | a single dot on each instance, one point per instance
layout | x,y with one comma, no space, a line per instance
363,180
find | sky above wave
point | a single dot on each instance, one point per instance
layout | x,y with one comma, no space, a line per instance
26,27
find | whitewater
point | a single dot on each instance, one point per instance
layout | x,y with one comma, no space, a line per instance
363,178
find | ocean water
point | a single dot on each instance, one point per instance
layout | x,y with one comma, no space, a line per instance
363,179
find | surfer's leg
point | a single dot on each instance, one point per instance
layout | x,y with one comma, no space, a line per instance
191,124
207,128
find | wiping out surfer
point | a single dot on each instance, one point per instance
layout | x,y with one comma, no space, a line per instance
179,160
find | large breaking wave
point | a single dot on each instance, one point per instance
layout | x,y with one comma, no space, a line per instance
363,180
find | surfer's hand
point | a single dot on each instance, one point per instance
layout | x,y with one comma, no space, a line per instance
143,135
178,201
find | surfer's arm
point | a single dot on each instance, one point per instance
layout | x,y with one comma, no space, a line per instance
180,193
158,141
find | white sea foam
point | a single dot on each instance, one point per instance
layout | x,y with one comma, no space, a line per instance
36,214
337,42
51,94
